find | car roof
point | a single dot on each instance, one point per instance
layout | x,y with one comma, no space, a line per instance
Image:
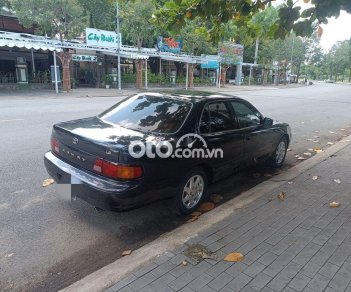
193,96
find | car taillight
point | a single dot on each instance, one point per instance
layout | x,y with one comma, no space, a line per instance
117,171
55,145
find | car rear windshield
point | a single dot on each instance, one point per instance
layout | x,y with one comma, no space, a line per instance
148,113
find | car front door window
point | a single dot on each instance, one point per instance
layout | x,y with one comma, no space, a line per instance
246,115
216,118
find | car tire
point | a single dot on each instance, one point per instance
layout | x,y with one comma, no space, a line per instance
278,157
191,192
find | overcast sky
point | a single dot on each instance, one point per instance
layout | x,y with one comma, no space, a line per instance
337,29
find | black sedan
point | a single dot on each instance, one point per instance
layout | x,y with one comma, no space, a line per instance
153,146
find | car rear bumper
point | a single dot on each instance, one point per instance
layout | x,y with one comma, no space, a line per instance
100,192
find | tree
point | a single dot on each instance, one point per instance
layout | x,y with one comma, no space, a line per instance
137,27
53,17
101,14
175,12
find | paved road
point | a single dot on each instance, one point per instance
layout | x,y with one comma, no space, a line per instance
46,242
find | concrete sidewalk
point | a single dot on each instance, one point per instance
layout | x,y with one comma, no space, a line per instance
296,244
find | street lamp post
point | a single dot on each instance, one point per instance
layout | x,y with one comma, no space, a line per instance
118,48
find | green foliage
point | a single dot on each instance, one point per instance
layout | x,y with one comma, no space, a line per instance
101,14
136,23
176,12
62,17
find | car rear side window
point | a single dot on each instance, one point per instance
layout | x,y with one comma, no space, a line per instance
149,113
246,115
216,118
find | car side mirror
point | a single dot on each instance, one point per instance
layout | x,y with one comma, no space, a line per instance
267,122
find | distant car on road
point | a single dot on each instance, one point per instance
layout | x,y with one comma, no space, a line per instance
152,146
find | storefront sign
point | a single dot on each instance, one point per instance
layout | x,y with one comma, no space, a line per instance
169,44
84,58
102,38
210,65
231,53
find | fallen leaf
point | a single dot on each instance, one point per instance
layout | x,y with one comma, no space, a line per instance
315,141
126,252
184,263
196,213
307,153
330,143
297,156
9,255
192,219
334,204
315,177
289,149
205,256
48,182
301,158
205,207
315,136
309,139
216,198
234,257
309,149
332,132
342,130
338,181
318,150
290,182
281,196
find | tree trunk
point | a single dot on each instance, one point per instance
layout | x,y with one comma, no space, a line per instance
65,58
224,75
179,68
139,79
298,73
265,76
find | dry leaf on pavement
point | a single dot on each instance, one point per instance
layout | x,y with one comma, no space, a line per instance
184,263
9,255
216,198
307,153
205,256
342,129
315,177
332,132
234,257
126,252
289,149
48,182
205,207
338,181
318,150
330,143
310,149
334,204
315,141
281,196
290,182
316,137
301,158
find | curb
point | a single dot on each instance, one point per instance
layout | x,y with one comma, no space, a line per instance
116,271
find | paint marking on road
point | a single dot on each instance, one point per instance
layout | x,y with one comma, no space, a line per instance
12,120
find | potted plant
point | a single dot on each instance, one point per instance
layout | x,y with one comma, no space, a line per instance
108,80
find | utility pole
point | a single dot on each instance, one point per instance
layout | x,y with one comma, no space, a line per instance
292,53
118,49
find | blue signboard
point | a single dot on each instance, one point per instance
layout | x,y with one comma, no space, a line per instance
210,65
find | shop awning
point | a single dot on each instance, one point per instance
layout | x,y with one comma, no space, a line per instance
28,45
